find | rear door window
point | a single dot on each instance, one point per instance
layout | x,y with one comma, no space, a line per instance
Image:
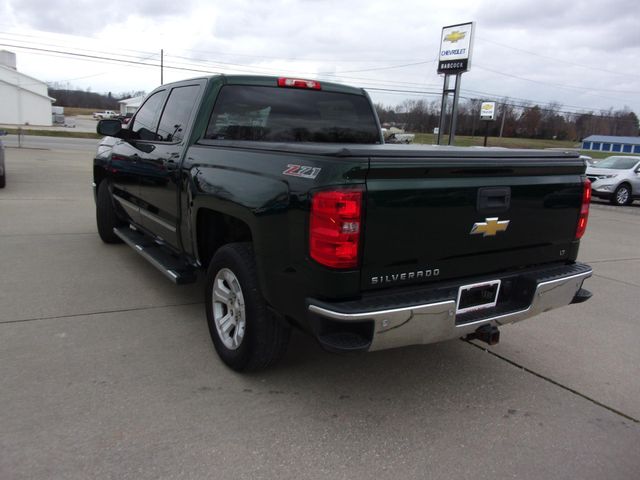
273,114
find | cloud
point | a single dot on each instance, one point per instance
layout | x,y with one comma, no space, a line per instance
87,17
543,50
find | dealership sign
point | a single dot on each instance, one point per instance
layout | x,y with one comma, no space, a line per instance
456,44
488,111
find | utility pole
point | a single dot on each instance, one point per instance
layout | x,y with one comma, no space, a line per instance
161,66
504,114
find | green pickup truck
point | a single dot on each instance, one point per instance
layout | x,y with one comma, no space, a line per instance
282,192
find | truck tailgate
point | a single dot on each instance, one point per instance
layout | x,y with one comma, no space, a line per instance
449,216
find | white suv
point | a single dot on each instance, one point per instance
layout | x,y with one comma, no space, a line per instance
616,178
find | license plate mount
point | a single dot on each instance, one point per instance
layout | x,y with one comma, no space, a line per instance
478,296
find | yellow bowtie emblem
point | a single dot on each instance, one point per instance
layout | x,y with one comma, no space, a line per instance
454,36
490,227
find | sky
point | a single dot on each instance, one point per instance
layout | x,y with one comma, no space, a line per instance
583,55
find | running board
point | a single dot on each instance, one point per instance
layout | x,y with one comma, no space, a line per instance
175,269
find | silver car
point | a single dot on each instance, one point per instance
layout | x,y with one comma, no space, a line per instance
616,179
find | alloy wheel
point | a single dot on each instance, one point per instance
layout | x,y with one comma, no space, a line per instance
229,311
622,195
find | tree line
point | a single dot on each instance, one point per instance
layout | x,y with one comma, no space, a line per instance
512,120
69,97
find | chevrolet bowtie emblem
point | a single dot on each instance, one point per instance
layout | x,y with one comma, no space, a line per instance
490,227
454,36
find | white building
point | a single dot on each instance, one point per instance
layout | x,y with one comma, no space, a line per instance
130,105
23,99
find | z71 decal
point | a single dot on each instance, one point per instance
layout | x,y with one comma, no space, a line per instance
302,171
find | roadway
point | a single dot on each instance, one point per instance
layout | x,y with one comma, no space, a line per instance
108,371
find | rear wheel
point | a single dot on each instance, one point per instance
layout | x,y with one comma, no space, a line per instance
3,180
245,333
106,216
622,195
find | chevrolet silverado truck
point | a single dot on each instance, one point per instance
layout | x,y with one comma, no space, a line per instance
283,193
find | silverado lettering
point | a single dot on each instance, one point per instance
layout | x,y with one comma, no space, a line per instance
405,276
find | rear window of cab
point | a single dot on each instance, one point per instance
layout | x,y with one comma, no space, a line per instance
273,114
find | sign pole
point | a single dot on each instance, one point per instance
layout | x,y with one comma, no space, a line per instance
454,110
486,131
443,107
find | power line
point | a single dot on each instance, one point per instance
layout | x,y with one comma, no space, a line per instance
271,71
96,57
217,53
40,43
248,69
216,65
517,105
525,101
602,70
574,87
386,68
244,69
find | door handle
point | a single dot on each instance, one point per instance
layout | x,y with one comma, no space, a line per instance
494,199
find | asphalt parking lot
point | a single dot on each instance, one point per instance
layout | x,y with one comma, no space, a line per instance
107,370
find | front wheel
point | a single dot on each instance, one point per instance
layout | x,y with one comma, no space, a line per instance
622,195
245,333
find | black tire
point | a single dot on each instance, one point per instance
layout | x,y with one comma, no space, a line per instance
3,180
106,216
622,195
265,336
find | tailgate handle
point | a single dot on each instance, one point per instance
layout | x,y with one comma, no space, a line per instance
494,199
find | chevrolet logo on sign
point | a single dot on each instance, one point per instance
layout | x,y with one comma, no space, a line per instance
490,227
454,36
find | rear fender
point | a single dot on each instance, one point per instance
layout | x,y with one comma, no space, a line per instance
259,202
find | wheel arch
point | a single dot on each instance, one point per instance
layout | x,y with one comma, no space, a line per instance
215,229
99,174
626,183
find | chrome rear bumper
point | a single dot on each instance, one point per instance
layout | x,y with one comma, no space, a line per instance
435,322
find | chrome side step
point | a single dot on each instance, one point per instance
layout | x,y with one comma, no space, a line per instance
172,267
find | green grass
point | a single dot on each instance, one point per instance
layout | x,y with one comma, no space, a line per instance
53,133
467,141
421,138
73,111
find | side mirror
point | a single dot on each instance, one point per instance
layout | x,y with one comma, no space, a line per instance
109,128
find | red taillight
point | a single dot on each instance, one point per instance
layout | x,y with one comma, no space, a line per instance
584,209
334,227
298,83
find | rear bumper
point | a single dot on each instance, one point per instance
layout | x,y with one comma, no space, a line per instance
535,291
